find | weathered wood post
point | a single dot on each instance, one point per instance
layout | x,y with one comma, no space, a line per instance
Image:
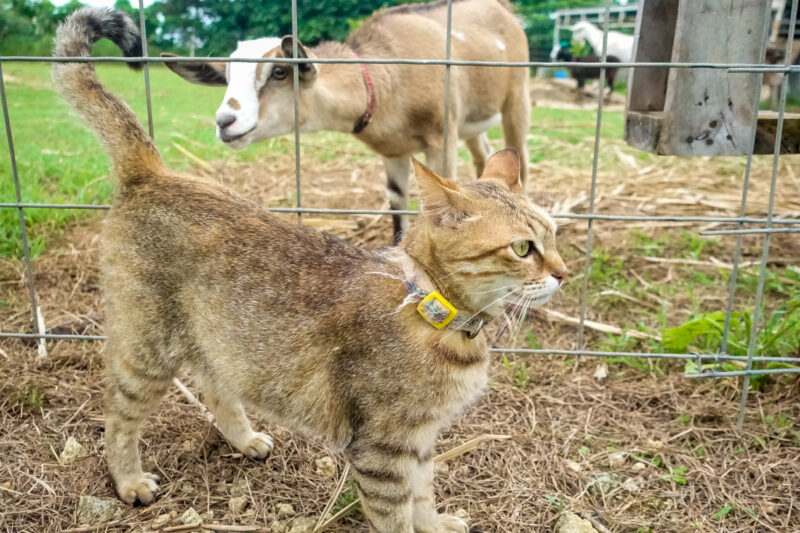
696,111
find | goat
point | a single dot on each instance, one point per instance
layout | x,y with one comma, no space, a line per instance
396,110
581,74
619,44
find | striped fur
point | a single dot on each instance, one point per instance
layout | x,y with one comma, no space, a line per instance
292,323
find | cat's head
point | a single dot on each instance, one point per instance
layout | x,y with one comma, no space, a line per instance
485,244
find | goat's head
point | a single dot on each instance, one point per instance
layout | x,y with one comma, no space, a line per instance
583,30
563,54
259,100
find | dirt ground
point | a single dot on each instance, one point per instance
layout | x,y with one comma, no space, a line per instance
632,450
563,93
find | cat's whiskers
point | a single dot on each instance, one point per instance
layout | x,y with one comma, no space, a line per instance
560,302
484,308
507,325
493,290
512,316
522,316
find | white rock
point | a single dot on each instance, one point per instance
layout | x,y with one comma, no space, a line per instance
617,459
572,523
601,372
603,483
93,510
573,465
303,525
639,466
326,467
238,504
163,519
285,510
240,488
278,527
72,450
191,517
630,485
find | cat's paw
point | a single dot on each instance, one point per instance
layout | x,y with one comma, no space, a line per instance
259,446
141,487
444,523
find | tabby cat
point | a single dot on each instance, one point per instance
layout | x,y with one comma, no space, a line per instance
372,351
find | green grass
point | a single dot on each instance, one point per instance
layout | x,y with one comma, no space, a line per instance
60,161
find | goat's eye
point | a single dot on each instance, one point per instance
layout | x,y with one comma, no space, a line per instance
523,248
279,73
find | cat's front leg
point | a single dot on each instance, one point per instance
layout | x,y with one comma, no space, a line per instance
383,476
426,519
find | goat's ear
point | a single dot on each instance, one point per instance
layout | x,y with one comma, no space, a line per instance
504,166
308,71
443,202
200,73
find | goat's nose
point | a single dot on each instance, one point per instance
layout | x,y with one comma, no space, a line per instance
226,119
560,275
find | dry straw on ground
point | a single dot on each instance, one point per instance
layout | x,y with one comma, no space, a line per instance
631,450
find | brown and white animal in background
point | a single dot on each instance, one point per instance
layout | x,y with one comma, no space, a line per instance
619,45
581,74
773,80
314,333
407,101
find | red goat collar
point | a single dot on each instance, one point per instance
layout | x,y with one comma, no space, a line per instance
363,120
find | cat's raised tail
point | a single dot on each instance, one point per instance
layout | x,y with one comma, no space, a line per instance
132,152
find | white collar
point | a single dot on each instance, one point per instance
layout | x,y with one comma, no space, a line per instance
432,306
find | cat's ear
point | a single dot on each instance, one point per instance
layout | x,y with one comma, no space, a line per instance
442,200
504,166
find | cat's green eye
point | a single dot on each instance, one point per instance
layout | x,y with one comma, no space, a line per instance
522,248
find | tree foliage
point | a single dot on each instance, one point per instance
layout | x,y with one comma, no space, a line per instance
212,27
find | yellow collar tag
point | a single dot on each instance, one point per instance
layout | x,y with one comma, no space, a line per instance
436,310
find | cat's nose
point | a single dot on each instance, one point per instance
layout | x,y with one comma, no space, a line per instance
560,275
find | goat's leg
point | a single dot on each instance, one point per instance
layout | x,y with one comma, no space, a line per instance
481,149
610,81
774,94
397,171
516,121
434,156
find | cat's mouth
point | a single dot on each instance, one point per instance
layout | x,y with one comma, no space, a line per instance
538,297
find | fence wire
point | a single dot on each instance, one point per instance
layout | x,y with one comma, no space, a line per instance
40,334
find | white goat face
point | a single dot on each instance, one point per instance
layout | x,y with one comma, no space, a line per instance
259,100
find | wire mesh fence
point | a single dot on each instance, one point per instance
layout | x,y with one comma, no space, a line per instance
711,364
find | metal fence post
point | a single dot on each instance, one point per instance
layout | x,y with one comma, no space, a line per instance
595,157
762,272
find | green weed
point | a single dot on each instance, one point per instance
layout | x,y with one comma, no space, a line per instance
518,372
676,475
780,335
558,503
347,497
29,396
